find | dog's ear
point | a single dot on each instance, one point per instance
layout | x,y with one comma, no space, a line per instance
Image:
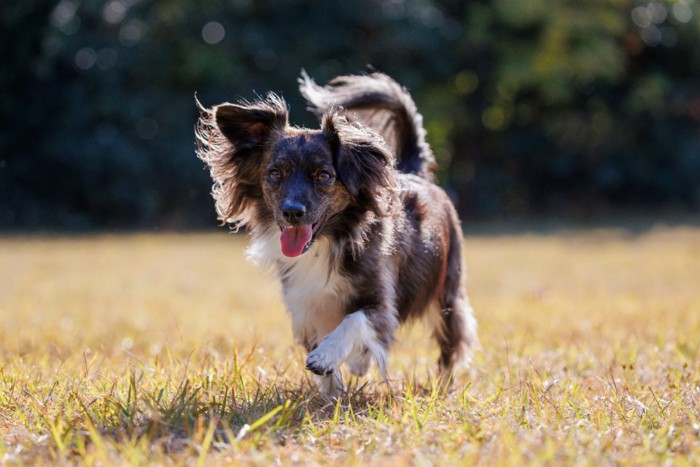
232,140
364,163
249,126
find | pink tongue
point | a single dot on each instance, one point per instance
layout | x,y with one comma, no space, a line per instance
295,239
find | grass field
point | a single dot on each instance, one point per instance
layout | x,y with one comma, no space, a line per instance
172,349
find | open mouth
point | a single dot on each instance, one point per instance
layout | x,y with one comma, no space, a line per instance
296,240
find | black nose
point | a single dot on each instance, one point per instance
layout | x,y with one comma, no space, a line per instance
293,211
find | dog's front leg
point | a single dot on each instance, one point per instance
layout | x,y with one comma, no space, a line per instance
331,384
355,335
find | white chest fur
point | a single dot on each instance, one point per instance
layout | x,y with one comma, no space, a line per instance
314,292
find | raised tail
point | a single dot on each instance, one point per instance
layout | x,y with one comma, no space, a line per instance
380,103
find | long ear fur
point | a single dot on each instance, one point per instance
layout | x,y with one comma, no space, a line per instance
231,140
364,162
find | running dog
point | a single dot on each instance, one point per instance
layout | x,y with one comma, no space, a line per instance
350,218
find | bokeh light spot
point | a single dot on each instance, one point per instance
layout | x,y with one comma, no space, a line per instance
640,17
682,12
63,13
494,118
466,82
657,12
85,58
114,12
651,36
669,36
132,32
213,32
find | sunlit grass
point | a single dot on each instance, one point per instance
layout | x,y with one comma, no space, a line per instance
171,348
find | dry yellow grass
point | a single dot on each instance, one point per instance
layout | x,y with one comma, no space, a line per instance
171,348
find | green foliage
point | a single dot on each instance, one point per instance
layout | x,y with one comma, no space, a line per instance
530,106
585,105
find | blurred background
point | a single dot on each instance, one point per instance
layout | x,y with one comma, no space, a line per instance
534,108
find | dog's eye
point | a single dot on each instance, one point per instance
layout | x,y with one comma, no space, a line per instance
323,176
274,174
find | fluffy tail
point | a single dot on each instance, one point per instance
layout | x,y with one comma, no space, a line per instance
380,103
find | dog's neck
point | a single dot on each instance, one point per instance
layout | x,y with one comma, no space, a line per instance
313,289
265,252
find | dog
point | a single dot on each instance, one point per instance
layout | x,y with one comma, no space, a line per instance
349,217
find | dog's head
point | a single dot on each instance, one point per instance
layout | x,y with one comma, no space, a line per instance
303,180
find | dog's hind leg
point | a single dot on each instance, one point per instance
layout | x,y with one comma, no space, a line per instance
455,333
455,329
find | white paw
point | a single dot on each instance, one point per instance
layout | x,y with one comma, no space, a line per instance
327,357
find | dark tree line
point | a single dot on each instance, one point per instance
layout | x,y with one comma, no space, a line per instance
532,107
